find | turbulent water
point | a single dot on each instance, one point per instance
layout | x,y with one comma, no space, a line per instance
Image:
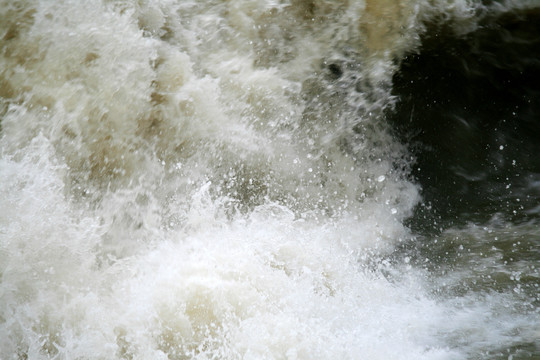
277,179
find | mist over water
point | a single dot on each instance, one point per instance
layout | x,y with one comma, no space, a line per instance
235,179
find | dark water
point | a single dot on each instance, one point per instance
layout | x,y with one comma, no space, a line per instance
469,108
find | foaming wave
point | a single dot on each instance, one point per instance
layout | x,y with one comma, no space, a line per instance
208,180
262,286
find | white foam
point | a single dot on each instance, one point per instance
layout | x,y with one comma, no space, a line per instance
183,180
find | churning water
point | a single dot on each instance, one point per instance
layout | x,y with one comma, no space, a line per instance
278,179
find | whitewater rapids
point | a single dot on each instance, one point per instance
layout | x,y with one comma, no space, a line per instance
217,180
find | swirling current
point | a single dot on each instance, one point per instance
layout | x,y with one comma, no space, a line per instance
277,179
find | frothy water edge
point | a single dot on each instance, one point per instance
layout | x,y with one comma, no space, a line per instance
216,180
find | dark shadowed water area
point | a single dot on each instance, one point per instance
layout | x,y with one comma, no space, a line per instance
469,110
